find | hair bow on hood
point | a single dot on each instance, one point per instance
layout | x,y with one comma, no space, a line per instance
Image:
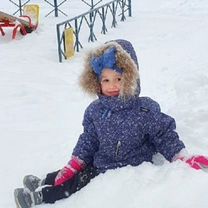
106,60
118,55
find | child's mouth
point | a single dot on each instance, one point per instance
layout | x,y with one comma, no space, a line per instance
113,93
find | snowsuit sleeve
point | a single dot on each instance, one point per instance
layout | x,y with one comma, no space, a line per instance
162,132
87,143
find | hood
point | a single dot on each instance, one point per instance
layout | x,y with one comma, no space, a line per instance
126,60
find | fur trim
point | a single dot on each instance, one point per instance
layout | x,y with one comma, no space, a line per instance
130,76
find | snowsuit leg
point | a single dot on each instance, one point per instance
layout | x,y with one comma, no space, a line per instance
54,193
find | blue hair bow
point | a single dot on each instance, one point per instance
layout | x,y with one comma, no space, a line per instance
106,60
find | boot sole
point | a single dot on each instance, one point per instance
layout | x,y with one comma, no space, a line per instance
19,198
16,200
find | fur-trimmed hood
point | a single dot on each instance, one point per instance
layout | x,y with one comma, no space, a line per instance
126,60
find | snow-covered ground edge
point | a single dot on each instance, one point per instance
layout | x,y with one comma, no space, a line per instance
42,106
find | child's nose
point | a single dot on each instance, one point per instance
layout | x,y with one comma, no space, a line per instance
113,85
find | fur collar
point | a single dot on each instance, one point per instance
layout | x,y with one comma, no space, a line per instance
130,84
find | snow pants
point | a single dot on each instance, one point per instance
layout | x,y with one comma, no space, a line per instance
53,193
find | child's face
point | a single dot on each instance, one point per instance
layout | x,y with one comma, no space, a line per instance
110,82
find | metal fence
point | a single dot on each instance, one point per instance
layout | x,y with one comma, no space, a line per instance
19,4
92,4
56,7
54,4
92,21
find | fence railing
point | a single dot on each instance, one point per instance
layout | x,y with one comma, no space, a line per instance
55,4
92,4
19,4
56,7
90,22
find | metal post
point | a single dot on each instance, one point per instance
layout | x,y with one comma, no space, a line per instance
91,27
130,12
114,15
122,10
92,4
59,43
20,7
76,35
104,29
56,8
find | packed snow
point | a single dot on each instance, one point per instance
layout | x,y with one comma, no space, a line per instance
42,106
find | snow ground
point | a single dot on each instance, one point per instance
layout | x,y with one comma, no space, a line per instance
41,104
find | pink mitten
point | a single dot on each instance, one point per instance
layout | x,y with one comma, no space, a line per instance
67,172
196,162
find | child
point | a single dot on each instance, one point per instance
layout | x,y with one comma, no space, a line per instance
120,128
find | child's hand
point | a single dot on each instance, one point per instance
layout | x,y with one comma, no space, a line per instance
67,172
196,162
63,175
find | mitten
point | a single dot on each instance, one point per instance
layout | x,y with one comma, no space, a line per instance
197,161
74,166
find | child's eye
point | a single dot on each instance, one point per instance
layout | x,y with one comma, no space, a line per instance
119,79
105,80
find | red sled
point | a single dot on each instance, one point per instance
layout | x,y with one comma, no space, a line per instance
25,24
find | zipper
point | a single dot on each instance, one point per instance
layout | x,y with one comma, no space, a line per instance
118,148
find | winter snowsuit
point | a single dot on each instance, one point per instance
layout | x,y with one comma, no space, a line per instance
123,130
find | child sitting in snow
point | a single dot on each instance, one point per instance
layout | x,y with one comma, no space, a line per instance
120,128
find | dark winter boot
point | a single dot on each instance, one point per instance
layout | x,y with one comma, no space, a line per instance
27,199
32,182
